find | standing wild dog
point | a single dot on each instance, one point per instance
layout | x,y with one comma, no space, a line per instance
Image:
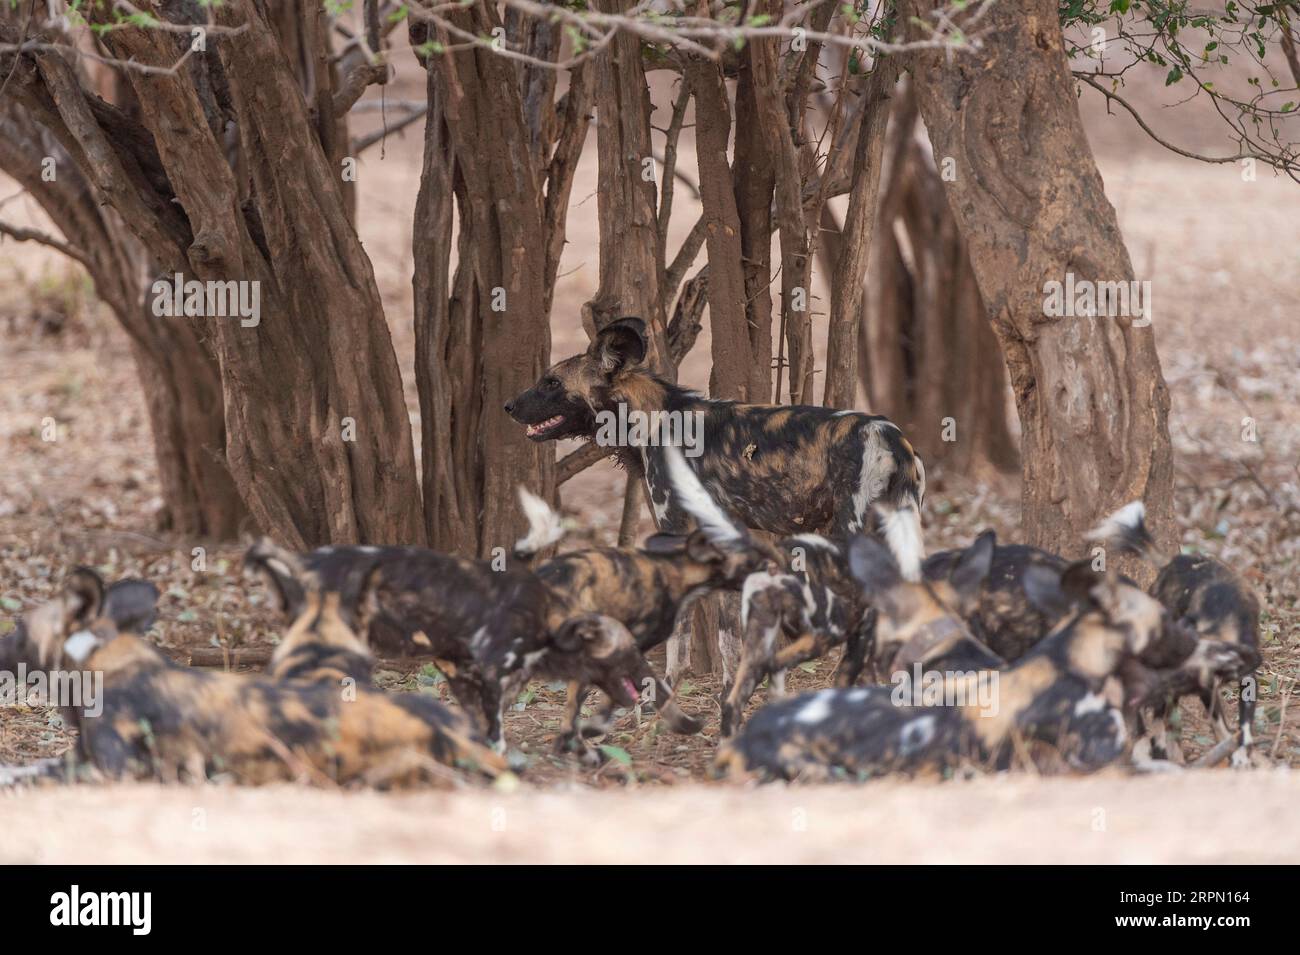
154,719
1053,694
777,468
584,617
1224,612
648,588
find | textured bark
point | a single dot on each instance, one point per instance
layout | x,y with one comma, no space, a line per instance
855,238
177,373
1031,207
445,368
755,181
486,338
796,260
734,374
322,353
630,250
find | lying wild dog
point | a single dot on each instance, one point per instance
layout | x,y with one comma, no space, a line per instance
778,468
816,604
1053,694
131,604
647,589
1221,608
154,719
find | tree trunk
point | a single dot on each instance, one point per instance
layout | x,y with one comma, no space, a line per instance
855,240
630,254
936,368
1031,207
734,374
492,339
774,121
177,373
317,436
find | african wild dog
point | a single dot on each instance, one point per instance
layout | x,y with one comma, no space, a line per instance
131,604
1001,617
478,625
812,604
777,468
648,588
1054,694
158,720
1223,611
816,603
490,631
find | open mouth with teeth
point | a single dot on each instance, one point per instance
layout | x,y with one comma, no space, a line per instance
543,428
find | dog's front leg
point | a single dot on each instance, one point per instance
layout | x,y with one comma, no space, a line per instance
1245,721
673,520
577,695
763,615
857,648
807,647
494,711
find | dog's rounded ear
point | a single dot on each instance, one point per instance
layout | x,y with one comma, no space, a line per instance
620,344
973,566
664,543
702,550
283,573
1079,582
577,632
1043,588
132,605
873,566
83,598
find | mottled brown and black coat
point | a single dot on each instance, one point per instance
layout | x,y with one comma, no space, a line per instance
158,720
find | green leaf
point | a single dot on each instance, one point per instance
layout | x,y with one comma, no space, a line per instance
617,753
12,604
1174,76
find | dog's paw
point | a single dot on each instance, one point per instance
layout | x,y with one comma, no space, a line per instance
594,728
683,724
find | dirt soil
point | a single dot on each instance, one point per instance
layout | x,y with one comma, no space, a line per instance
1221,253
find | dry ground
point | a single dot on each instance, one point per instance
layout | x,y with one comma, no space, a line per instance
1103,819
1222,256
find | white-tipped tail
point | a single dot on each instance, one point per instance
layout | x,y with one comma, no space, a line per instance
1126,529
901,528
689,492
545,526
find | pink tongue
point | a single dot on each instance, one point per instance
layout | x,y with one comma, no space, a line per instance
631,690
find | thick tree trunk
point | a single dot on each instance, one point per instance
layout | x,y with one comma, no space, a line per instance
317,436
935,365
178,374
1031,207
494,340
